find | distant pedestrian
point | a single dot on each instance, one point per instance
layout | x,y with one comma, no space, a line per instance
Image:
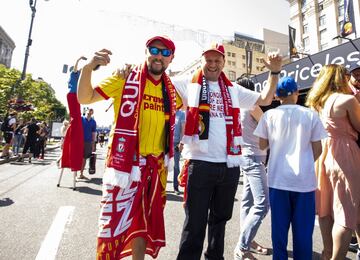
43,135
8,128
63,130
31,131
101,138
18,137
89,129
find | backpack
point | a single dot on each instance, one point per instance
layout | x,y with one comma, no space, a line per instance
5,125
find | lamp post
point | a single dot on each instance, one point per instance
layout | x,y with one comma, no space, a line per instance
18,102
32,4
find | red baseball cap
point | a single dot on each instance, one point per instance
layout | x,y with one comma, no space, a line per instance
165,40
216,47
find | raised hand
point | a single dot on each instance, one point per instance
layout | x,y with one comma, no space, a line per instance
77,63
273,62
101,58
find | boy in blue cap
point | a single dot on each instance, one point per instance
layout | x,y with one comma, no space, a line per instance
293,134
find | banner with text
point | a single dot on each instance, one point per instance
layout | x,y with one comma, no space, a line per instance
305,70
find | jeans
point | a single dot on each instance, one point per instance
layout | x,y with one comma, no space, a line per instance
255,199
211,191
297,209
17,143
176,167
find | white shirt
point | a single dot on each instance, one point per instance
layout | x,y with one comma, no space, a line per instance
217,130
290,130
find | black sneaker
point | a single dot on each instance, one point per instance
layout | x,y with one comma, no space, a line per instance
353,247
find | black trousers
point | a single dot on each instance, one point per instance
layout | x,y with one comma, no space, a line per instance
211,191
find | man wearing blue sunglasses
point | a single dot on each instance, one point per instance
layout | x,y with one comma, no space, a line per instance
140,151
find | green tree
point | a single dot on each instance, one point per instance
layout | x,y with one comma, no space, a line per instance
46,107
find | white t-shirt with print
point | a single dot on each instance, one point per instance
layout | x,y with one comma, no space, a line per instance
290,129
217,129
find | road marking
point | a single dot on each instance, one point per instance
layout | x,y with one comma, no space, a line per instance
50,245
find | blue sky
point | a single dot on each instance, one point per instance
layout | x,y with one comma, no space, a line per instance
66,29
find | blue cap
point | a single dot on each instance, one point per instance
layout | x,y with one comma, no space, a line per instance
355,65
286,87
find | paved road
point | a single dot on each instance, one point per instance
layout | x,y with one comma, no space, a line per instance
42,221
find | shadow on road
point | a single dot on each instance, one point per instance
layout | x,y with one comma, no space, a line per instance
6,202
89,190
173,197
97,181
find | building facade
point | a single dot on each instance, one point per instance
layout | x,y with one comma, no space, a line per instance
236,63
244,54
7,47
319,22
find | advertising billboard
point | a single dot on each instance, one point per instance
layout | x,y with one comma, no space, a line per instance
305,70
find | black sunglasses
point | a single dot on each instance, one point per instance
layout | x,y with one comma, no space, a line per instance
155,51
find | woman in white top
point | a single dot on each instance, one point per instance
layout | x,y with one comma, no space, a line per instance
255,194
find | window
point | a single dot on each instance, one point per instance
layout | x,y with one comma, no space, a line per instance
341,9
303,17
303,3
228,54
243,57
322,20
323,36
320,7
229,63
258,47
323,46
257,60
305,29
340,24
232,75
306,43
244,65
232,54
233,63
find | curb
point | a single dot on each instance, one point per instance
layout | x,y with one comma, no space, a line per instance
3,161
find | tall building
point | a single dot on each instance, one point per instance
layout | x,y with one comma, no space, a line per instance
7,46
244,54
318,22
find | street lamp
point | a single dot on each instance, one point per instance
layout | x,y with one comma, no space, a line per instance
29,41
18,103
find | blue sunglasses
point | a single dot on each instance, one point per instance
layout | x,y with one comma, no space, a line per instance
155,51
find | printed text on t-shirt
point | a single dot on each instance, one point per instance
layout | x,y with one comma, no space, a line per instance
216,104
153,103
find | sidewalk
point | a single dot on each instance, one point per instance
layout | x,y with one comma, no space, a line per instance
48,147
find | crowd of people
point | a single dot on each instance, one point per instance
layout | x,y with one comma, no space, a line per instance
224,131
21,137
297,161
293,157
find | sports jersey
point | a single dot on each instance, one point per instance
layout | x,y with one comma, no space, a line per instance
152,117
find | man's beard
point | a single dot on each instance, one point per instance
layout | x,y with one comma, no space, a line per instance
156,71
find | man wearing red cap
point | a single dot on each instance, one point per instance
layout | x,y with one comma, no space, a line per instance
212,142
131,220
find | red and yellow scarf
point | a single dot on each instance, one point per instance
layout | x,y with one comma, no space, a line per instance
123,159
198,116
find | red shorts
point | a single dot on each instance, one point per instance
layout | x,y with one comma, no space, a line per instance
136,211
